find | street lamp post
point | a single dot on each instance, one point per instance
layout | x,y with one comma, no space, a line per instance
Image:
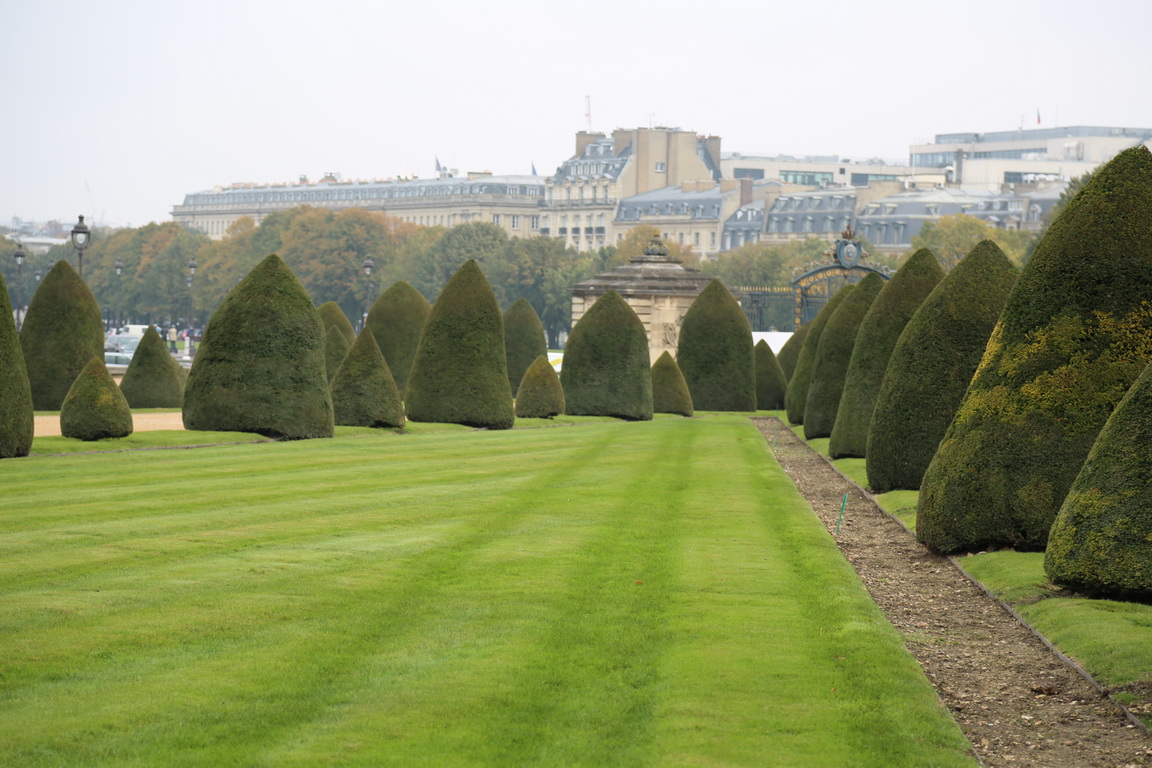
19,256
81,237
119,268
367,265
191,273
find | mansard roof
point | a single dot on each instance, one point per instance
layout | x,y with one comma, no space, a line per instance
330,189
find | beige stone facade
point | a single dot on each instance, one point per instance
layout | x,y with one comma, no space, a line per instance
510,202
580,201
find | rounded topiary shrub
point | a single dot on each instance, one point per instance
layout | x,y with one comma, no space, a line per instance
62,331
363,391
833,355
336,348
95,408
1101,542
879,330
790,352
154,379
1074,335
524,340
540,395
797,395
260,367
771,386
606,370
715,352
397,319
459,374
17,424
333,317
669,390
931,365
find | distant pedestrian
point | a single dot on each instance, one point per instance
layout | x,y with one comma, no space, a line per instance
172,336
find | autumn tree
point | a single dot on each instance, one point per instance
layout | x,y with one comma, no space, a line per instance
952,238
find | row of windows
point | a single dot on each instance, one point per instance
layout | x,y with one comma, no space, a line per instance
514,223
787,224
362,194
832,202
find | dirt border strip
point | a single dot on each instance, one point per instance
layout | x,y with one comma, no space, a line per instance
1017,701
1136,721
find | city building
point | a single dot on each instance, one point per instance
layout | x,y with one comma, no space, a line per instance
581,198
511,202
822,171
987,161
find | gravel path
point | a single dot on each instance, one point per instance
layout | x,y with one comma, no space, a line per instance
48,426
1017,702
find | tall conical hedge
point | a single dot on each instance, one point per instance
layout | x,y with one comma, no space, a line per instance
796,397
879,330
669,390
833,355
931,365
540,395
16,420
260,367
397,319
771,386
1101,542
460,373
336,348
332,316
715,352
1074,335
790,352
62,331
364,393
605,371
95,408
154,379
524,340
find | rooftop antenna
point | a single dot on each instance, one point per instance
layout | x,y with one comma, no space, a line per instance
588,112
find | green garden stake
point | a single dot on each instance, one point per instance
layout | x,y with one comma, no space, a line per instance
843,504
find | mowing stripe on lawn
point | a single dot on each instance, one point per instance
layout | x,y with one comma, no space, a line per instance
445,599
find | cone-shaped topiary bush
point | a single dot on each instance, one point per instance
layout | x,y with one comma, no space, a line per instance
332,316
790,352
833,355
1101,542
16,421
605,371
715,352
460,374
771,386
95,408
154,379
62,331
797,395
524,340
397,319
540,395
363,391
336,348
1074,335
931,365
260,367
669,390
879,330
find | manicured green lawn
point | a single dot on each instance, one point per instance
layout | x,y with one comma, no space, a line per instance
600,593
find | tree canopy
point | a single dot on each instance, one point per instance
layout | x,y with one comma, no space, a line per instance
952,238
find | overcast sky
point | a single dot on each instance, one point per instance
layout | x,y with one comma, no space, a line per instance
117,109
